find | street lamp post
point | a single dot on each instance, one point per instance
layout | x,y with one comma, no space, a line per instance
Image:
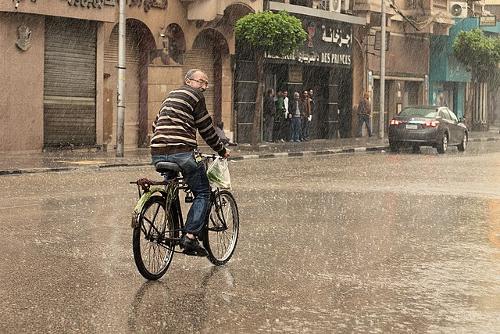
120,120
381,122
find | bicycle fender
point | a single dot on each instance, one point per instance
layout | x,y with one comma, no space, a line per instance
140,204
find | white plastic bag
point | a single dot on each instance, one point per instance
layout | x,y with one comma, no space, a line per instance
218,174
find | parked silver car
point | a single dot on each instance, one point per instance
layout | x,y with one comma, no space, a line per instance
427,126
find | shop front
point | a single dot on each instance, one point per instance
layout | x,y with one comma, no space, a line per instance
52,72
450,82
323,64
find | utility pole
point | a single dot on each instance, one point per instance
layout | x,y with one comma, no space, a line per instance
120,119
381,123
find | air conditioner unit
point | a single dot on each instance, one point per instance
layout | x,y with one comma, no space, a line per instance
458,9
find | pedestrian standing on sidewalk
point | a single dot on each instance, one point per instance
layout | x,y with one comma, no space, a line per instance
279,118
314,113
364,112
306,116
181,114
286,124
269,111
296,111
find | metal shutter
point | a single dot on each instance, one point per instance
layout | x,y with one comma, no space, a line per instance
69,82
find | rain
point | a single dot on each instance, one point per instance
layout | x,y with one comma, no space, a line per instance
322,247
342,228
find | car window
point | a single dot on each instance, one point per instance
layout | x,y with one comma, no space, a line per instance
453,116
419,112
444,113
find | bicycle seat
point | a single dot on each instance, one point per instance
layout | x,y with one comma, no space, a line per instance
163,167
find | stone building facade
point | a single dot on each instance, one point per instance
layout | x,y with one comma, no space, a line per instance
59,58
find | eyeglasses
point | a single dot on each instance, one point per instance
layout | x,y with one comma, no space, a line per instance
201,81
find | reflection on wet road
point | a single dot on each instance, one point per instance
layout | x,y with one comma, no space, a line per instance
372,243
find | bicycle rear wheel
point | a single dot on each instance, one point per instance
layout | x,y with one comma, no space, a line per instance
221,233
152,252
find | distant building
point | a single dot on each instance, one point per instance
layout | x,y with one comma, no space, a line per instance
449,80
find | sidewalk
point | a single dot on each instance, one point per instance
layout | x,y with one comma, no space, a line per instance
67,160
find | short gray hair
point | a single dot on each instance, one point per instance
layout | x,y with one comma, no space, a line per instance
189,74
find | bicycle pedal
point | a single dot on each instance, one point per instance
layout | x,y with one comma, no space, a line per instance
192,252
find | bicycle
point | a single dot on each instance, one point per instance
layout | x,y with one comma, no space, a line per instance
158,222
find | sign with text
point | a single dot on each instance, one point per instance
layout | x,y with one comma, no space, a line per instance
378,40
487,21
328,43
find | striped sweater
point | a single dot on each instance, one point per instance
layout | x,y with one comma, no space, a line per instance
181,114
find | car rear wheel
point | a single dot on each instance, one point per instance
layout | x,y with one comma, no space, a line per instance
443,145
394,146
463,145
415,148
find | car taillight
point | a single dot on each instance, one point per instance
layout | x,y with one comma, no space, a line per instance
431,124
394,122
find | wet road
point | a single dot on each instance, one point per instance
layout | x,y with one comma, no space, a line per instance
366,243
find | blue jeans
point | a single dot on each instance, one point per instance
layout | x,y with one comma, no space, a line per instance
364,118
296,129
196,177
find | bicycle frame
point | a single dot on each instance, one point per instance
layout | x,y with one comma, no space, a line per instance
168,189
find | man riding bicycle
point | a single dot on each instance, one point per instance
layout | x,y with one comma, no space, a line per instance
181,114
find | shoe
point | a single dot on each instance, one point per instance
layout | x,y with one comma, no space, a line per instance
192,247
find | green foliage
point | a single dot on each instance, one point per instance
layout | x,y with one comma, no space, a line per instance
278,34
480,54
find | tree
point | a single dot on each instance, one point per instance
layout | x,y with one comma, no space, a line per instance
278,34
481,56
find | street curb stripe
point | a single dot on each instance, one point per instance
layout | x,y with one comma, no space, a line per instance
11,172
251,156
267,156
376,148
37,170
123,164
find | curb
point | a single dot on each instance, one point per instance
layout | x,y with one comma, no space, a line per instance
36,170
322,152
106,166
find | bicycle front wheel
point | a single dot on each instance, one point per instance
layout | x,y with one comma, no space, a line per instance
152,239
221,232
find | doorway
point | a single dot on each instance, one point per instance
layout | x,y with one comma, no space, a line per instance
316,78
